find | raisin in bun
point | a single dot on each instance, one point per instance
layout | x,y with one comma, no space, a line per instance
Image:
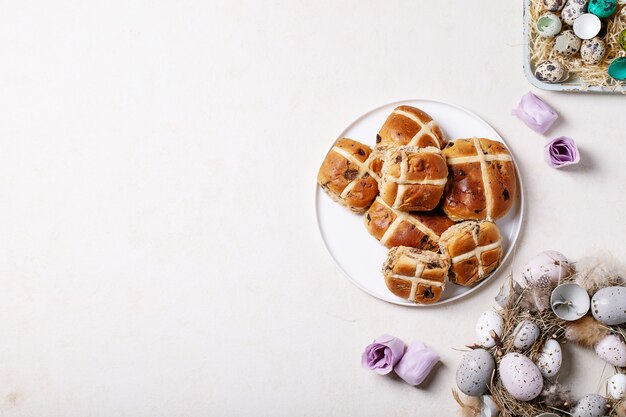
416,275
410,126
475,250
345,175
482,184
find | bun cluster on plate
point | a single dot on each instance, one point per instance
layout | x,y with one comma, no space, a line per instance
433,203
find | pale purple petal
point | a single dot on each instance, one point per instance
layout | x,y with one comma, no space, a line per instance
383,354
561,151
417,363
536,113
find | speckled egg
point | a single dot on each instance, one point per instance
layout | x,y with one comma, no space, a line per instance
551,72
602,8
546,269
573,10
549,25
550,359
526,333
591,405
488,321
622,38
612,350
608,305
553,5
616,387
474,372
520,377
593,51
567,43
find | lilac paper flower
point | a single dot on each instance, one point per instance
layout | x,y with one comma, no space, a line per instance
561,152
536,113
382,355
417,363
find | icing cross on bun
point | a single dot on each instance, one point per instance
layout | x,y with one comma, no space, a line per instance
416,275
413,178
410,126
398,228
482,182
346,177
475,249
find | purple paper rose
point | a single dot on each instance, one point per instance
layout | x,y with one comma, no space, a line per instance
417,363
536,113
382,355
561,152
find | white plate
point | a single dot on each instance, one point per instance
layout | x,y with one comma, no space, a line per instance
359,255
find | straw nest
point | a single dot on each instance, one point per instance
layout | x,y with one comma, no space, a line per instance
541,49
533,304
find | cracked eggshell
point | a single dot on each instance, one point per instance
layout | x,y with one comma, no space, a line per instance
608,306
591,405
593,51
520,377
612,350
616,387
545,269
573,9
488,321
567,43
549,25
550,359
570,301
474,372
488,407
526,333
505,292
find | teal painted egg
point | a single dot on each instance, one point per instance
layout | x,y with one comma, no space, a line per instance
602,8
622,39
617,69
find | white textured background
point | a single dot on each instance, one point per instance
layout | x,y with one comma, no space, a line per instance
159,254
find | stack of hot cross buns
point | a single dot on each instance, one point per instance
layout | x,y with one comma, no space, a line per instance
432,202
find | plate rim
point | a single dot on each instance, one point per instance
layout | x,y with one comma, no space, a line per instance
514,240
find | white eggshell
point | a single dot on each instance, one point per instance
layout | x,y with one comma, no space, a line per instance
591,405
488,321
550,359
612,350
608,305
545,269
507,290
526,333
474,372
488,407
520,377
616,387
